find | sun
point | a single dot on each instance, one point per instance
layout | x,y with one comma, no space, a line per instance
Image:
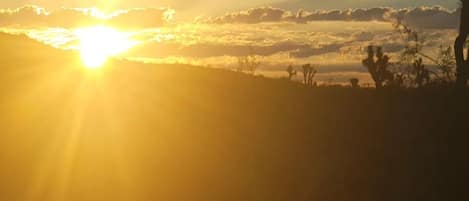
99,43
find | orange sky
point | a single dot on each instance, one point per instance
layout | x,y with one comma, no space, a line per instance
197,7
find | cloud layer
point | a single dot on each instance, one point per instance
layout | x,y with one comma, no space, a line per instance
435,17
294,42
34,16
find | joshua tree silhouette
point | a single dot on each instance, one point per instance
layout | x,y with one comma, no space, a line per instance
291,72
249,63
378,68
308,74
462,62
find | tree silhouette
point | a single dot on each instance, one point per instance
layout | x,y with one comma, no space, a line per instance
308,74
462,62
312,73
378,68
291,72
249,63
412,54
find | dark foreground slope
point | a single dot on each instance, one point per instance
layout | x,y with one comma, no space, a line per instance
135,132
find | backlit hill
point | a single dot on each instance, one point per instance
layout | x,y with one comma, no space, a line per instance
136,132
21,47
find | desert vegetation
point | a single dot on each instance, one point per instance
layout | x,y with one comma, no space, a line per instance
291,72
249,63
308,75
411,69
354,82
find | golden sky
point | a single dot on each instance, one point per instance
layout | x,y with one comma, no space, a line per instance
217,6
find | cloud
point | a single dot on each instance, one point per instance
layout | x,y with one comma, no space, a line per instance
435,17
203,50
344,4
34,16
254,15
309,51
142,18
371,14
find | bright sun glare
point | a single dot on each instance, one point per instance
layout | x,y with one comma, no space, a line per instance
98,44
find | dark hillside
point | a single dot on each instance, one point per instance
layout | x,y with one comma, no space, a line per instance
149,132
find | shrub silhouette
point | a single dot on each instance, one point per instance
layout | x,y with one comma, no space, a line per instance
462,62
398,80
446,63
378,68
308,75
354,82
412,54
312,73
422,75
249,63
291,72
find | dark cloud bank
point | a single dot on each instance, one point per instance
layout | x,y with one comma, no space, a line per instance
435,17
